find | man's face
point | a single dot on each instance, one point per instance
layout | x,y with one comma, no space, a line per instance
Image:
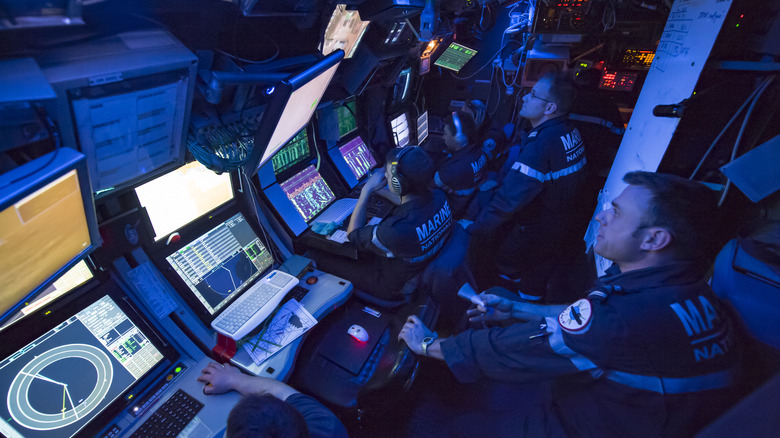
537,102
449,138
620,233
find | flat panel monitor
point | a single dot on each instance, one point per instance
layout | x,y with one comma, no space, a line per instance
422,127
309,192
70,371
70,280
179,197
47,224
296,151
357,156
400,129
345,30
219,264
455,56
293,101
347,120
401,88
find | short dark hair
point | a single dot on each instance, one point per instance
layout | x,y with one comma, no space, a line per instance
416,167
562,90
687,209
266,416
466,122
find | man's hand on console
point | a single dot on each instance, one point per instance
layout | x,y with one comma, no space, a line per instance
413,332
219,378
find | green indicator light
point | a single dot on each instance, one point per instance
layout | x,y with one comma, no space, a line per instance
177,369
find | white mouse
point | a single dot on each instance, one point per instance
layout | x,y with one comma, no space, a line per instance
358,332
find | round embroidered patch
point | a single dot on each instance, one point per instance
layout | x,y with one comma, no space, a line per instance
576,317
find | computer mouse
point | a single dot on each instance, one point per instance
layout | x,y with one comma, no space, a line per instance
358,332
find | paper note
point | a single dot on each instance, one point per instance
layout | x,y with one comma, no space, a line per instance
290,322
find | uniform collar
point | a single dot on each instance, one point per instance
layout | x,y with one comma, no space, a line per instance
647,278
546,124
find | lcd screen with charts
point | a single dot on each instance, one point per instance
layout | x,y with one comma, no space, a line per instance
309,192
71,375
179,197
357,156
345,30
294,152
455,57
400,129
221,263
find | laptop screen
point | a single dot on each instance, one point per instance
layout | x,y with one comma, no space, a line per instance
309,192
222,262
357,156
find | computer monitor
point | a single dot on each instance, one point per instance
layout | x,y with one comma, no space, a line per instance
179,197
403,84
400,129
218,265
353,159
70,370
293,101
422,127
455,56
296,151
347,118
47,224
345,30
124,101
309,192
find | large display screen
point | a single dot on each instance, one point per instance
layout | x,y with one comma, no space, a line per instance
179,197
357,156
345,30
58,383
309,192
221,263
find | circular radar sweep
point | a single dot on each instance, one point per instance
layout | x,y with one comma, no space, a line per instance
19,395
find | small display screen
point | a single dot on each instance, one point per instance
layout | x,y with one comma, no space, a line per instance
640,58
295,151
309,192
455,57
221,263
345,30
347,122
618,80
400,128
358,157
61,381
179,197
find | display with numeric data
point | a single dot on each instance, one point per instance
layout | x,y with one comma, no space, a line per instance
618,80
221,263
357,156
295,151
400,129
455,57
309,192
62,380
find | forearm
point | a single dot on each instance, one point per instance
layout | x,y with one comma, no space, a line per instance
358,219
522,310
434,350
249,385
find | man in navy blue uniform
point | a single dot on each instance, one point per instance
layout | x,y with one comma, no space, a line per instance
649,352
462,171
539,193
399,247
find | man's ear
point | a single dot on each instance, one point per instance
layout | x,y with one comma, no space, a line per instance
552,107
656,239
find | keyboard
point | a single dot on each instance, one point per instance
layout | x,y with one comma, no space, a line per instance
171,418
254,305
338,211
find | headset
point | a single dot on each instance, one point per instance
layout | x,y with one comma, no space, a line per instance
398,184
460,137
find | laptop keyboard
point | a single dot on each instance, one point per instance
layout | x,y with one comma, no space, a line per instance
171,418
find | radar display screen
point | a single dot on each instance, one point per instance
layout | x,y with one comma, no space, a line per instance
309,192
62,380
221,263
455,57
295,151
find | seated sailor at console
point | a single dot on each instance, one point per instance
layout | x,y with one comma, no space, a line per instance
399,247
463,169
269,407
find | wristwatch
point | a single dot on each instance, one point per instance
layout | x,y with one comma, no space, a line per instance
428,340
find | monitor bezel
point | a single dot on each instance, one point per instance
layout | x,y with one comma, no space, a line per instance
31,177
280,95
35,325
190,234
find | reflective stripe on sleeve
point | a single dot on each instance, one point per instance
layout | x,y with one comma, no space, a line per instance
375,241
673,385
555,339
542,177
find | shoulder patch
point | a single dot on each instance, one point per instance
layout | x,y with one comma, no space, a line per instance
576,318
533,134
